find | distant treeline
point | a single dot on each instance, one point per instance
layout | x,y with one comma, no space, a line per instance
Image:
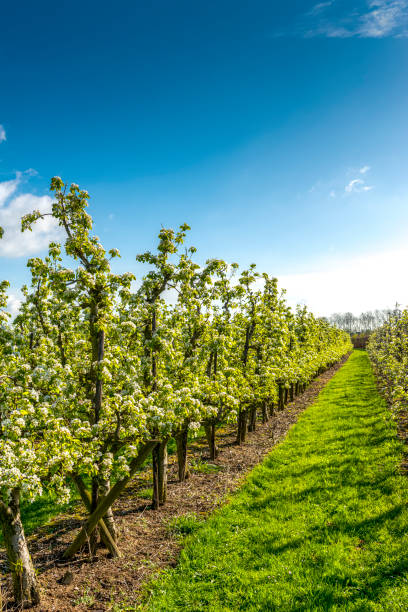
365,322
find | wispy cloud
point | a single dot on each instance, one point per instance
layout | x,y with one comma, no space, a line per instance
355,179
13,206
2,133
374,19
357,186
30,172
321,6
384,18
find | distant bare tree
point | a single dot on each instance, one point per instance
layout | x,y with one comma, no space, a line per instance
366,322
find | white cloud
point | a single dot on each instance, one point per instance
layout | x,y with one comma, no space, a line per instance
13,304
357,186
318,8
358,284
335,187
2,133
377,19
31,172
385,17
7,188
12,207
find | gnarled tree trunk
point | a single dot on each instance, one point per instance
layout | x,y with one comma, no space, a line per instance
25,588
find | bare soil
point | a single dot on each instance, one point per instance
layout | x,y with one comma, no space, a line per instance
147,543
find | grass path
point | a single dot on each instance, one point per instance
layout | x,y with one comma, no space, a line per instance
321,524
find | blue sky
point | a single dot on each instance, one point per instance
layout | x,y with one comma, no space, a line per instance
278,131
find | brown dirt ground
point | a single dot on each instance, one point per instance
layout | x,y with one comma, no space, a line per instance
147,543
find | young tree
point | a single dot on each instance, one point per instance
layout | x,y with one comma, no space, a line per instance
35,445
219,389
246,325
148,311
76,310
191,320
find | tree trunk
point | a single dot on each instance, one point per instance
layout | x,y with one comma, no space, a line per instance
106,502
242,426
212,445
292,392
159,474
264,413
281,403
25,587
181,441
252,419
109,520
94,537
105,533
98,350
286,395
271,410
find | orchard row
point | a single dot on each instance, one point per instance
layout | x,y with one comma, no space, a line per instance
388,350
98,371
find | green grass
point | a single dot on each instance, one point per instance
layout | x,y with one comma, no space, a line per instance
322,524
184,524
41,512
198,465
145,493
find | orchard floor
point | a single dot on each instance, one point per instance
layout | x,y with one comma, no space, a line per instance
321,524
150,540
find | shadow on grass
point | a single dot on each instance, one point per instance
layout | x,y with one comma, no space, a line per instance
332,534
